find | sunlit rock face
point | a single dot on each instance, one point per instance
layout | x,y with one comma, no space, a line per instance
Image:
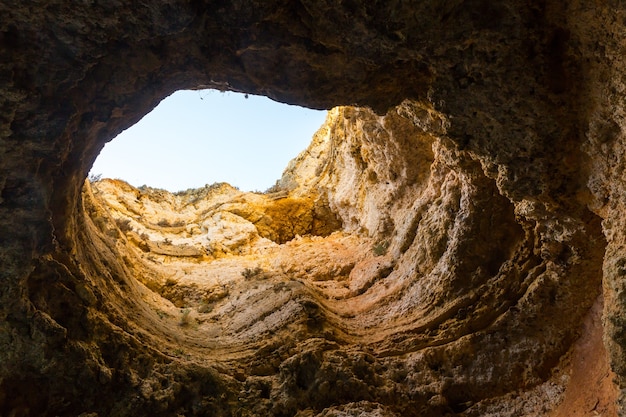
457,250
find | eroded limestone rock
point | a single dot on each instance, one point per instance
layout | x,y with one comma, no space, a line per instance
450,252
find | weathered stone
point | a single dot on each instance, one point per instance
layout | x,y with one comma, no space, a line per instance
480,209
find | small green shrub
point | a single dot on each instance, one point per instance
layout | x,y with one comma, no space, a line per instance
123,225
166,223
185,318
380,248
100,223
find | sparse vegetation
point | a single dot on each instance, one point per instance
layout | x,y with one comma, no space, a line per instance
250,273
205,308
166,223
380,248
123,224
94,177
273,189
100,223
185,318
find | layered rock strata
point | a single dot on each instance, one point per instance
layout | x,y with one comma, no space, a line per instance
457,251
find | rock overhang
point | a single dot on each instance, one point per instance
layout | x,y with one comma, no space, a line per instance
509,79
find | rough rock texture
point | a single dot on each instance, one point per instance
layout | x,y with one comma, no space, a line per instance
447,254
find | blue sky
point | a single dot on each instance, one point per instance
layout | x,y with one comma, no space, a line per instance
193,138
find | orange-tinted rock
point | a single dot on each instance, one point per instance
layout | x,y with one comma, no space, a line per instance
445,253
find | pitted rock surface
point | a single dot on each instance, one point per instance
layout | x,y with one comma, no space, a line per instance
451,242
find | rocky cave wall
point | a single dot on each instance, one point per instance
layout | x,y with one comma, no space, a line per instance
491,171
